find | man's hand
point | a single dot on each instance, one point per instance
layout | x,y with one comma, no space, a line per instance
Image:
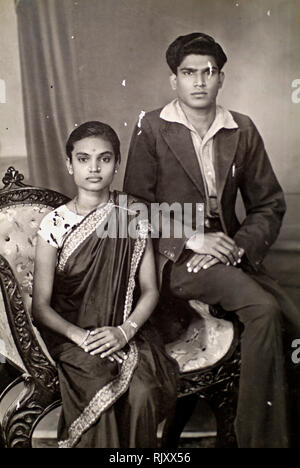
213,248
199,261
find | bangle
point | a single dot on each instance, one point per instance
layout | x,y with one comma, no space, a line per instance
125,336
85,338
132,324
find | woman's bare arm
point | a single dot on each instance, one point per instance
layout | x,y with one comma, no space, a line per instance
149,292
108,340
45,262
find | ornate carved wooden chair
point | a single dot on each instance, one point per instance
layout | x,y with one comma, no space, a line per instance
21,210
205,341
206,347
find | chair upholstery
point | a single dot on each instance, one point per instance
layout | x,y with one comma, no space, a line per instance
21,210
205,346
18,232
204,342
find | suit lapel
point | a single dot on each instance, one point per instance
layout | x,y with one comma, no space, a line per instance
181,144
225,146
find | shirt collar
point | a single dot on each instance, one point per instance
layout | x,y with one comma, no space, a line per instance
173,112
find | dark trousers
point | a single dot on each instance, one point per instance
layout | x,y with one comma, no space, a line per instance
262,413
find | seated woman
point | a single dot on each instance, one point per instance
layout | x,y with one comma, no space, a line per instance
92,296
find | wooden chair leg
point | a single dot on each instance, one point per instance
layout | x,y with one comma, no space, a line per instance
175,423
2,443
22,414
223,401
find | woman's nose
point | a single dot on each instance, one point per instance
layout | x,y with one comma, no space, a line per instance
95,166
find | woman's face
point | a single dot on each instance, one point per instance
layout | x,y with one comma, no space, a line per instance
93,163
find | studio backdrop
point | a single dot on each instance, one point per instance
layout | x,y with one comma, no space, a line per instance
105,60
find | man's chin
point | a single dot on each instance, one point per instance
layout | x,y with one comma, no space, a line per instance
201,105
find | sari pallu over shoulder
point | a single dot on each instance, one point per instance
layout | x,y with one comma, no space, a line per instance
86,263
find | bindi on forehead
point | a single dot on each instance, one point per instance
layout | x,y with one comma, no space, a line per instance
93,146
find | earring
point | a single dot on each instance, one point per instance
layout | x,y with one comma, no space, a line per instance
116,170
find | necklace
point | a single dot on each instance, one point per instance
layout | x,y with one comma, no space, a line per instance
75,206
89,211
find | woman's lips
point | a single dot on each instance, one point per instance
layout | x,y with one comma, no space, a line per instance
94,179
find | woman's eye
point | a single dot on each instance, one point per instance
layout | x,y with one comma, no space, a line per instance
82,160
106,159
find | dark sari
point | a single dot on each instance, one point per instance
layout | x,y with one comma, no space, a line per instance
106,404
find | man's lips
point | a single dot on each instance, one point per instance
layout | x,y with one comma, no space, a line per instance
200,93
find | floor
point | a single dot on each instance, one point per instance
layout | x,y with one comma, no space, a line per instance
186,443
199,432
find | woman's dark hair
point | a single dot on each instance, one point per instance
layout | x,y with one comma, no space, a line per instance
95,129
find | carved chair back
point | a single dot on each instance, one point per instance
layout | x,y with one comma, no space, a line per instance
22,208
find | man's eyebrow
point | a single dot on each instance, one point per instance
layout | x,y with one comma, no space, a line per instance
209,67
188,69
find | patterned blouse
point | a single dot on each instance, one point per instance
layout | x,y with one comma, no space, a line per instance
57,224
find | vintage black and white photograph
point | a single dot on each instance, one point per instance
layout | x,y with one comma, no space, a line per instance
149,226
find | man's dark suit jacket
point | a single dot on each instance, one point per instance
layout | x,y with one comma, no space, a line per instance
163,167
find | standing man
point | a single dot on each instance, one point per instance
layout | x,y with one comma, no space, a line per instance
195,151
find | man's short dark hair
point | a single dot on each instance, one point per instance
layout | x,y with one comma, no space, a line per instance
94,129
194,43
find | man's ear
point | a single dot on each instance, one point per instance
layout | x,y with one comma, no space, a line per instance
173,81
69,166
221,79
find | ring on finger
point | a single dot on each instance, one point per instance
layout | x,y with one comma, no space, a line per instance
107,345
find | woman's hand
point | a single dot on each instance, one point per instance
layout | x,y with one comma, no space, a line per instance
106,341
119,356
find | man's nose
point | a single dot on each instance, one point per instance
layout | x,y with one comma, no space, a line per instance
199,80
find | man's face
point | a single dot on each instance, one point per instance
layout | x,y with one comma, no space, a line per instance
198,81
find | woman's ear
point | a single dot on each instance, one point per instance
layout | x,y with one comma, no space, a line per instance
117,165
173,81
69,166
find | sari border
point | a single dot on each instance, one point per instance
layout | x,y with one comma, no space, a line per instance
111,392
103,399
84,229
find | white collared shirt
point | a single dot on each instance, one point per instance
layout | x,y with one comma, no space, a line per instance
204,149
